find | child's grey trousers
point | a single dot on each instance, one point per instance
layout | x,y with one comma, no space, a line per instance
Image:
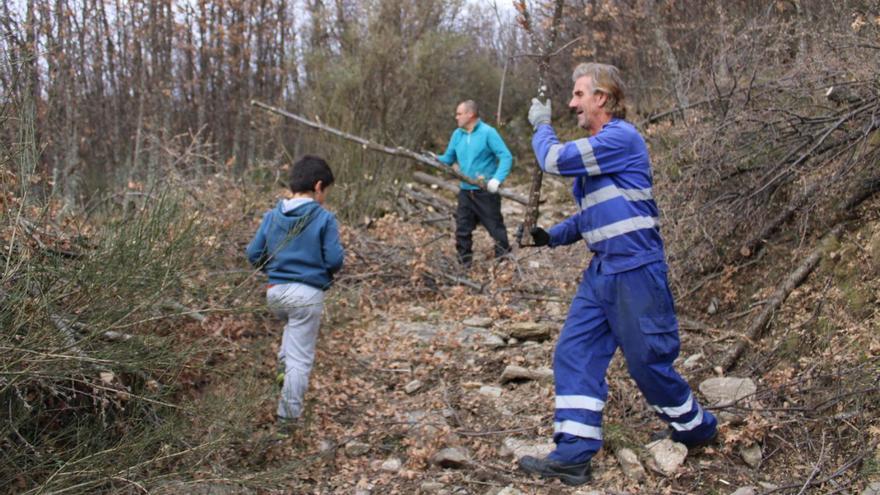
300,306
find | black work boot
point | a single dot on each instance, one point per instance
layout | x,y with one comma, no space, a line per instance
570,474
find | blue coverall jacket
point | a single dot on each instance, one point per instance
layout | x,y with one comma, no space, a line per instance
624,299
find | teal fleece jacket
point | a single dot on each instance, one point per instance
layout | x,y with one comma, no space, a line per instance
479,153
298,241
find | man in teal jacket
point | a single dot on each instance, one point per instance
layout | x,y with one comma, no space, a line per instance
481,154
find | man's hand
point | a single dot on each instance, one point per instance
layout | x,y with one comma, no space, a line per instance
539,113
492,186
433,156
540,237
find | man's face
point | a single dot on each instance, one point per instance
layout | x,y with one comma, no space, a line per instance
463,116
586,103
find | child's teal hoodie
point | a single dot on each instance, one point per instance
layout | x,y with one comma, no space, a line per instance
298,241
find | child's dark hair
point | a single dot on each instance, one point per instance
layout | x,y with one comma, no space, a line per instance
306,173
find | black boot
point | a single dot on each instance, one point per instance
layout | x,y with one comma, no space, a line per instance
570,474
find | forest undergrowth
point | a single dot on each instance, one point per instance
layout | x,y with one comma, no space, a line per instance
137,355
162,357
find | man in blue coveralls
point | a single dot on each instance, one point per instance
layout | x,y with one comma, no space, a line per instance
624,299
481,154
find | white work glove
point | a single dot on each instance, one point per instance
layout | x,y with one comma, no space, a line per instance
492,186
539,113
433,156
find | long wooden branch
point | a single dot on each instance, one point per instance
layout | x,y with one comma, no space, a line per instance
796,278
531,217
398,151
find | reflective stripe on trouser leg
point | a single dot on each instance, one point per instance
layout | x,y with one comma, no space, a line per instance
584,349
303,305
644,322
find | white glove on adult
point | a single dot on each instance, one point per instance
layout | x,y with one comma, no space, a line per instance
539,113
492,186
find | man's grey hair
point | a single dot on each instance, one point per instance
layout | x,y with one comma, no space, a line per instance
606,78
471,106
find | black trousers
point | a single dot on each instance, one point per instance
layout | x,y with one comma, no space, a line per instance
478,207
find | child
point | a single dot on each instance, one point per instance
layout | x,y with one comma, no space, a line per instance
297,245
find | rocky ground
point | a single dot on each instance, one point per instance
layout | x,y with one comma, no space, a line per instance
432,380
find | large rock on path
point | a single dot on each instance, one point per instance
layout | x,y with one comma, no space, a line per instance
513,373
451,457
518,447
724,391
630,465
529,330
666,455
478,321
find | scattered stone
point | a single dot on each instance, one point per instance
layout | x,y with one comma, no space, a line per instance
554,309
529,330
425,426
513,372
363,491
490,391
589,492
391,465
451,457
413,386
692,361
512,341
418,312
480,336
667,455
517,447
713,306
534,264
478,321
766,485
872,489
630,465
326,448
731,417
355,448
431,486
424,331
509,490
724,391
745,490
751,455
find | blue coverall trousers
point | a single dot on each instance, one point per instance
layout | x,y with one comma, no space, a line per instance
632,310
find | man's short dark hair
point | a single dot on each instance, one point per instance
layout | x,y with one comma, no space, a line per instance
306,173
471,106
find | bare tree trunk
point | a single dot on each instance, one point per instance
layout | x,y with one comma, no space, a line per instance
662,40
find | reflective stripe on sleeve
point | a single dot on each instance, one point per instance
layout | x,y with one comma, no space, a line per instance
579,402
578,429
587,157
637,194
611,192
550,165
619,228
